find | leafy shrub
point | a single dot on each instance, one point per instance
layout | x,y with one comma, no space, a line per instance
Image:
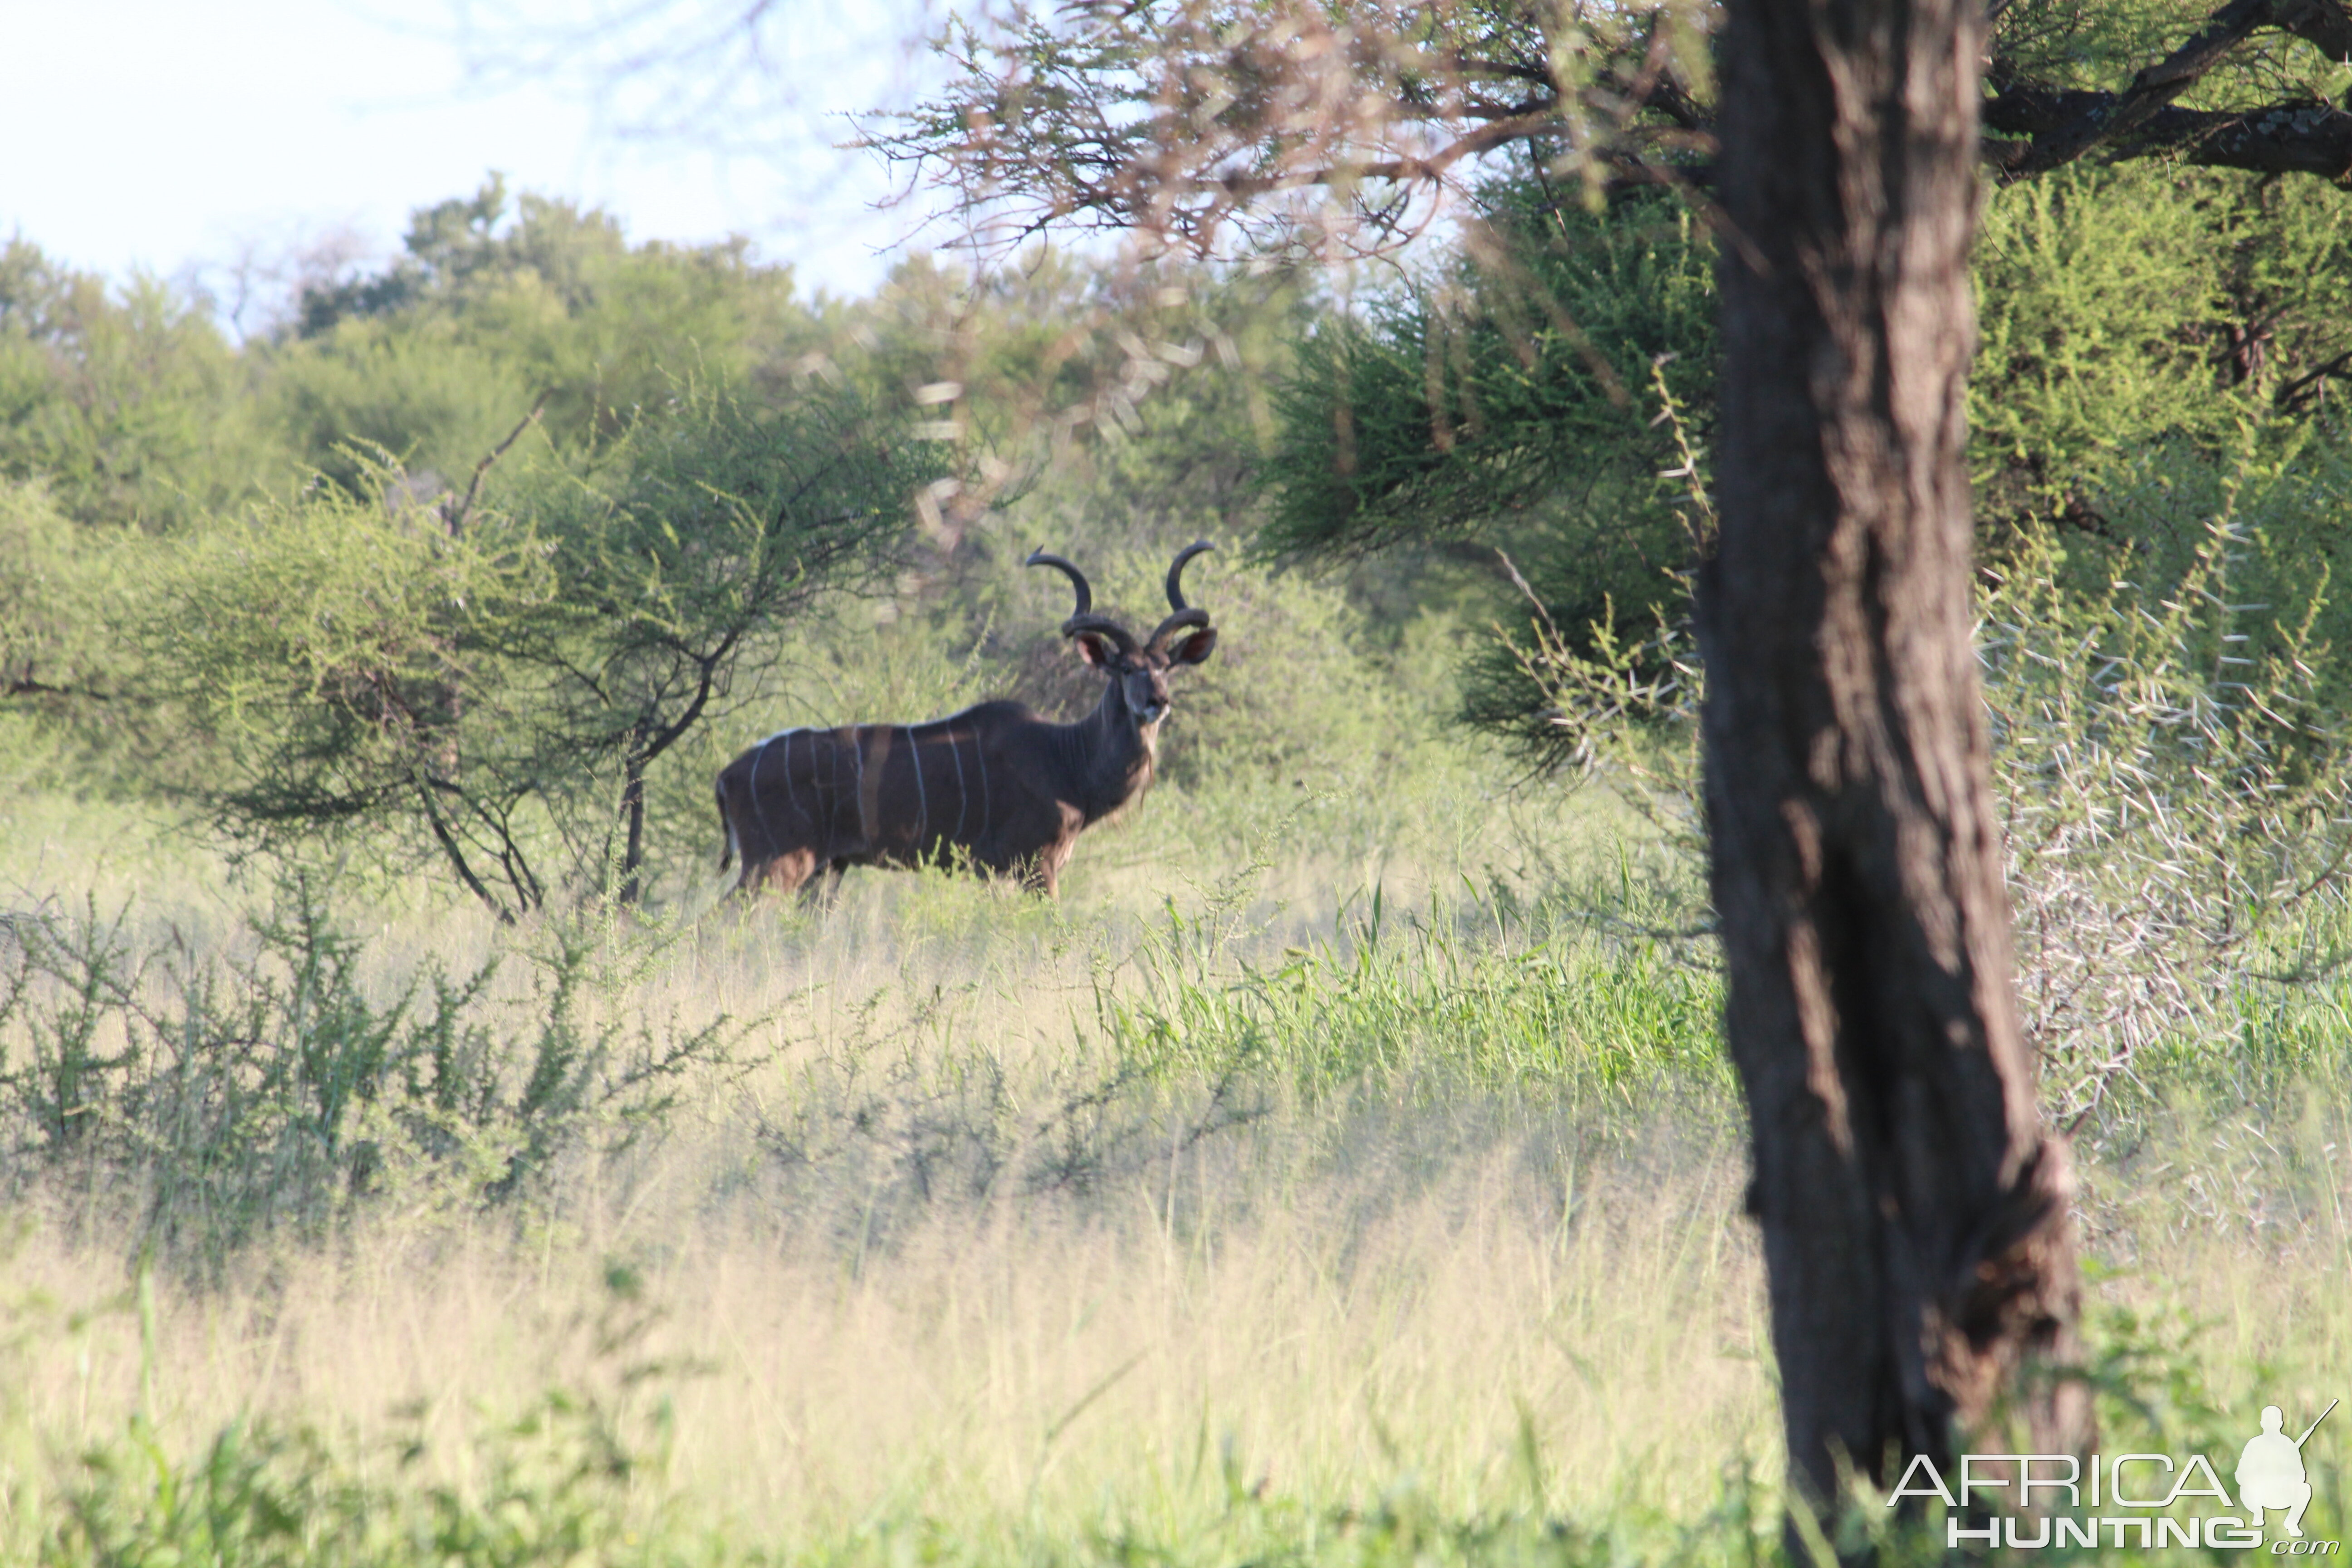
219,1098
483,690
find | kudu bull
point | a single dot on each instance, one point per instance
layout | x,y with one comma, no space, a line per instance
994,787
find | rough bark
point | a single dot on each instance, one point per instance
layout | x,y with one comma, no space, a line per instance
1913,1212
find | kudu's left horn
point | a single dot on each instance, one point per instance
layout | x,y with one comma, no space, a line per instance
1081,619
1185,615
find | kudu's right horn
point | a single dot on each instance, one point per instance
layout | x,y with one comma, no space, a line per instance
1185,615
1081,619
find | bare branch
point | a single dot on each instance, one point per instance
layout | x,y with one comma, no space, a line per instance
1181,117
2301,138
2312,139
454,517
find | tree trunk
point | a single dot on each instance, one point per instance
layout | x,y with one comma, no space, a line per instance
632,809
1913,1212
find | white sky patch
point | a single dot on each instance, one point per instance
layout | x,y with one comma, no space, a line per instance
141,134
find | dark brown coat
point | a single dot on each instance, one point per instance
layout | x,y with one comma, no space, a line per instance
994,789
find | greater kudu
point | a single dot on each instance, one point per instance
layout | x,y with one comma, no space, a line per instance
994,787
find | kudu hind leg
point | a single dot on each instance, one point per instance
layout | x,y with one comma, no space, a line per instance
791,871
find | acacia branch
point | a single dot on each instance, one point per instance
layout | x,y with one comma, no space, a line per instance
1179,117
1485,139
2296,393
454,517
1183,118
2302,138
2312,139
457,854
26,686
1661,92
2154,87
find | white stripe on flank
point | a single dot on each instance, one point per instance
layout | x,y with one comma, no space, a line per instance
758,756
833,822
791,792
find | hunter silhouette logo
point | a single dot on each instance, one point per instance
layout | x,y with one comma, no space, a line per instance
2033,1501
2270,1470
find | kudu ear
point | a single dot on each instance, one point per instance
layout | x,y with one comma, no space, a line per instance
1196,648
1094,651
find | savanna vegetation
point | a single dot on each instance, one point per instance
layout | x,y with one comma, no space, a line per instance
1913,1200
411,1156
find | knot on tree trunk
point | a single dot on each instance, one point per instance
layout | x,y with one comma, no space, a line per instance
2008,1325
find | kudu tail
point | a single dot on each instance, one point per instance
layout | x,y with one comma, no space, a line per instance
726,829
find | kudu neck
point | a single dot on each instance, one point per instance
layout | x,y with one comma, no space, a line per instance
1114,753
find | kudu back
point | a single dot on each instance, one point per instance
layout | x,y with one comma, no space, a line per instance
994,787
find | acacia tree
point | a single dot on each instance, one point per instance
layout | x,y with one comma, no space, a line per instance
1187,115
486,682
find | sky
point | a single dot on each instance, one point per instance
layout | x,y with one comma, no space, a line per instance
178,138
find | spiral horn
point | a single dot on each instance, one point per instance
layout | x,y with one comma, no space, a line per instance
1176,571
1081,617
1185,615
1038,557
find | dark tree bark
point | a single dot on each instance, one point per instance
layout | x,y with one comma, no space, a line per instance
632,812
1913,1212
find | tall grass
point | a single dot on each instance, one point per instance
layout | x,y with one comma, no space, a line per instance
1344,1173
947,1217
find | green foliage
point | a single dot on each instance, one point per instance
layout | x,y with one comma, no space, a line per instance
321,644
486,688
2128,315
1139,388
127,405
1495,997
2069,45
45,608
2174,758
1505,395
2091,48
1505,407
415,390
496,302
134,408
2171,754
557,1496
576,1475
2124,309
